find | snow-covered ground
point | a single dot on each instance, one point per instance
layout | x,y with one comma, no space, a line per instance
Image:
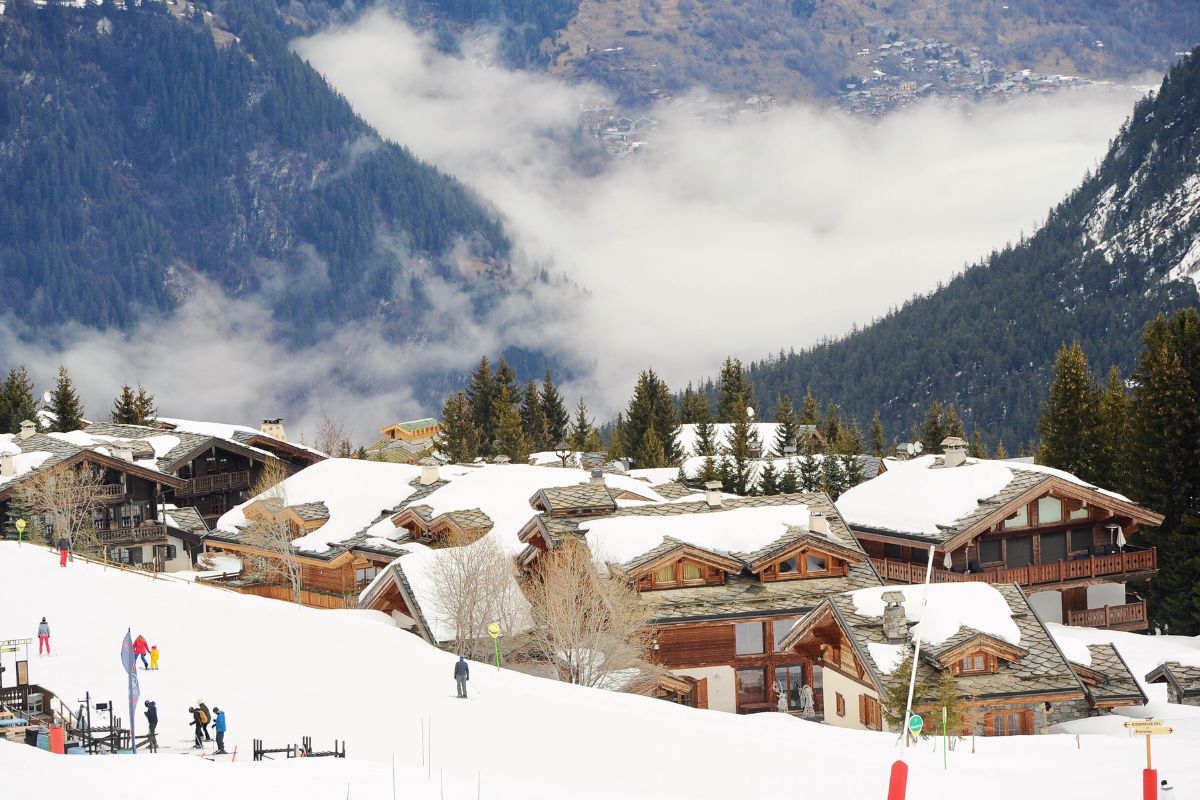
283,672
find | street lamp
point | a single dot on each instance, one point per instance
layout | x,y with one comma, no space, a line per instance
563,451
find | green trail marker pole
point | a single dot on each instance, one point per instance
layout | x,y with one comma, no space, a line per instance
494,632
944,739
20,531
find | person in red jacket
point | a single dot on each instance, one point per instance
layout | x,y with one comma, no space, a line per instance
140,648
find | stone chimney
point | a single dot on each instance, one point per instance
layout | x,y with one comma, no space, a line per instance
954,451
8,466
429,472
902,451
712,494
895,624
501,459
597,477
274,429
817,523
28,428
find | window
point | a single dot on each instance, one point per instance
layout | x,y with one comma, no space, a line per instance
1007,723
972,665
1049,510
692,573
1019,551
665,576
815,563
1080,513
869,712
1018,520
1081,540
789,566
803,565
841,704
893,552
751,687
1054,547
135,555
789,683
172,553
749,638
989,551
781,628
365,575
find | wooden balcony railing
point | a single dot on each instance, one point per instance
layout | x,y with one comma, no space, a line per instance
110,490
146,532
1130,616
215,483
1123,563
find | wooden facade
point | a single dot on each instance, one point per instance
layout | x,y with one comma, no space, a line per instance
333,583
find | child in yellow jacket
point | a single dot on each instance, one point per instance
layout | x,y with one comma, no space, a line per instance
154,657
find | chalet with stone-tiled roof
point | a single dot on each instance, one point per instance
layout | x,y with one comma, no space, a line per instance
723,579
1182,680
1012,675
1072,546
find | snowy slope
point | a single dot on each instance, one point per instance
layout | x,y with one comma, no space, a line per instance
282,672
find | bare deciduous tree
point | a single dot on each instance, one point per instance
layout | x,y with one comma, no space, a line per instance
62,500
476,586
272,533
332,438
588,622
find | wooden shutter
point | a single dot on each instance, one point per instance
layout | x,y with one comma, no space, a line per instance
701,693
862,709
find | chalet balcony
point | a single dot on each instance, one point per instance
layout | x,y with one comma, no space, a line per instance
1131,564
110,492
148,532
1128,617
214,483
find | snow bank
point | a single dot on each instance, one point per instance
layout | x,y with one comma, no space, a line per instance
913,498
951,606
738,530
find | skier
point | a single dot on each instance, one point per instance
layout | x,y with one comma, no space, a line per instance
154,657
44,637
462,674
220,728
1165,792
64,549
152,722
205,718
198,724
140,648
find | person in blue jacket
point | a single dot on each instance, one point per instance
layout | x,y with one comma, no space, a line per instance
462,674
220,721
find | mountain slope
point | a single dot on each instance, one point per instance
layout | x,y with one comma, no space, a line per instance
1121,248
141,148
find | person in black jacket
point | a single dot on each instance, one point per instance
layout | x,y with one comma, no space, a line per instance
152,722
205,718
462,674
199,726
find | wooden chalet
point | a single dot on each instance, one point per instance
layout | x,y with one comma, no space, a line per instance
405,442
126,514
1067,543
1182,680
719,613
1013,677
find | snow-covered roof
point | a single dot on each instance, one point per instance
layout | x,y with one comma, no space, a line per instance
949,608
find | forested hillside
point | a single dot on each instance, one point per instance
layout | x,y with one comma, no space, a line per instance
140,147
1121,248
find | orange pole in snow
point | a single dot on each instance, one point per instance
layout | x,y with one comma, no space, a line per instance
899,781
1149,783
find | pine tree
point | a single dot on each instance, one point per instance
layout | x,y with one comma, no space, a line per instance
810,413
18,400
616,439
592,443
789,480
978,448
769,478
831,426
810,469
878,436
581,429
123,412
144,409
481,396
739,466
458,441
933,429
557,418
650,452
65,404
1071,416
1001,454
1113,434
651,407
533,419
693,407
787,434
946,695
833,476
511,440
954,423
733,388
894,703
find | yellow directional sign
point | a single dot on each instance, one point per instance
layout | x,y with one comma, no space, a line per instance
493,630
1147,727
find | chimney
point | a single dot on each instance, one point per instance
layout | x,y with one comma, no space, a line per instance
597,477
817,523
28,428
895,624
902,451
429,472
123,452
501,459
274,429
712,494
8,466
954,451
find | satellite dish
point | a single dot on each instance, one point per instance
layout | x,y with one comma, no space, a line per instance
46,397
918,447
749,412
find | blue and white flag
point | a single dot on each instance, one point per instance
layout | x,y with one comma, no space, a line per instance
129,661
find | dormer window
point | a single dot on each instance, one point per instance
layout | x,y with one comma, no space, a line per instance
1018,520
805,564
976,664
680,573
